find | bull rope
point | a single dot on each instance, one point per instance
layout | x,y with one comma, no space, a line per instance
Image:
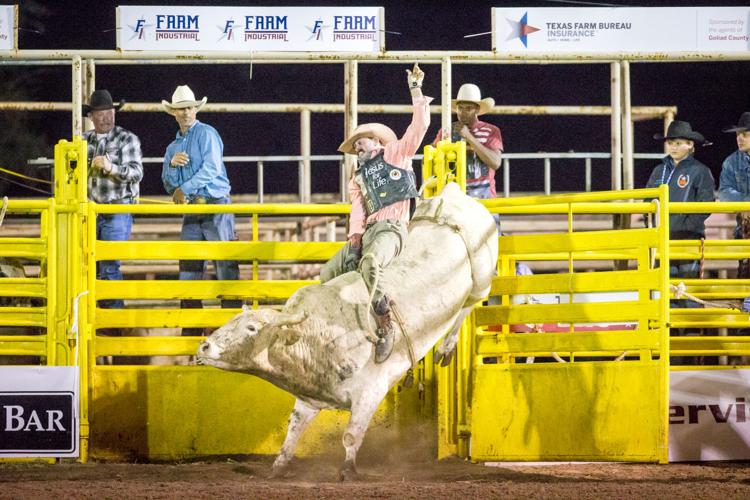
412,357
680,293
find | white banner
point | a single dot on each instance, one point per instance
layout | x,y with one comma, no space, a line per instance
8,27
39,411
621,29
245,29
709,418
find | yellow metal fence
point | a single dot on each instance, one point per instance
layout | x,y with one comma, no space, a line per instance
492,404
609,358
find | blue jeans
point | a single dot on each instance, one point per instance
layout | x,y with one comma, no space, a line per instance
208,227
112,227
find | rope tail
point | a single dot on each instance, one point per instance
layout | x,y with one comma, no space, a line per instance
4,209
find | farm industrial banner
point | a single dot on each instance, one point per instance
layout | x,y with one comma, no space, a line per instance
621,29
245,29
8,26
709,415
39,411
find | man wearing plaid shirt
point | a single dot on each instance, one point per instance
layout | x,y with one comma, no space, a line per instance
115,169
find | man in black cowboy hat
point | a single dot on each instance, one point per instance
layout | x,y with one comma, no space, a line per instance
734,182
688,180
115,171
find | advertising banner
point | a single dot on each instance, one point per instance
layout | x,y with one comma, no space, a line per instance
709,418
39,411
8,26
245,29
621,29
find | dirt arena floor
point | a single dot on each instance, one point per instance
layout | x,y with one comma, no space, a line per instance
318,478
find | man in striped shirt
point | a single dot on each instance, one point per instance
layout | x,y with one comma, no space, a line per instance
115,171
380,190
484,142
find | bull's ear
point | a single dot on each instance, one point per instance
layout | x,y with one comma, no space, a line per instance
289,336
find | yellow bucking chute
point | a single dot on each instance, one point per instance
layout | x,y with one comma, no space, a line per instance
446,163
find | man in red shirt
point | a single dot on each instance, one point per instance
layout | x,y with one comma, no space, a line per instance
380,190
484,142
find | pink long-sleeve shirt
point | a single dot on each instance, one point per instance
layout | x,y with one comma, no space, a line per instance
399,154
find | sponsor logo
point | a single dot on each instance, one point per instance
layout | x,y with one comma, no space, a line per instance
37,422
683,180
227,31
266,28
316,30
521,29
177,27
139,29
721,414
354,28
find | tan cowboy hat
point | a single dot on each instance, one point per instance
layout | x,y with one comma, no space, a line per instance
376,130
183,97
468,92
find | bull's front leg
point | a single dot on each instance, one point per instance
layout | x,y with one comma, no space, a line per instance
362,411
301,416
447,348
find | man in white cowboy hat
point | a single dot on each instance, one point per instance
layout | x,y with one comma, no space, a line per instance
484,142
193,172
115,171
689,180
380,190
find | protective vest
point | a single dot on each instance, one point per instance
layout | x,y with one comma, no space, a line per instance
382,184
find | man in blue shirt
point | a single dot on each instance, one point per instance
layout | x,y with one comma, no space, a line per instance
194,172
734,182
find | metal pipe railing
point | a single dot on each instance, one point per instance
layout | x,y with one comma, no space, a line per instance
304,182
639,112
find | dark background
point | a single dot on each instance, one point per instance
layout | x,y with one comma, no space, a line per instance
711,95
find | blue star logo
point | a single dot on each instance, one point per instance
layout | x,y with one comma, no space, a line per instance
521,29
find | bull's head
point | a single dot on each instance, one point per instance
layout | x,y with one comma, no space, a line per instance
242,344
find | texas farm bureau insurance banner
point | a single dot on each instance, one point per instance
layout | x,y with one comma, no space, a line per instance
243,29
620,29
39,411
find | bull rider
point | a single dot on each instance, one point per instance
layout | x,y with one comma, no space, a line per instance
380,189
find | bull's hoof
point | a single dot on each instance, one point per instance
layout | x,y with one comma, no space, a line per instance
348,473
280,471
444,358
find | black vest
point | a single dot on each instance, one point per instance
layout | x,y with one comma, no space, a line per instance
382,184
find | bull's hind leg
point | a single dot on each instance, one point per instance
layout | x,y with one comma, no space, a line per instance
447,348
362,411
301,416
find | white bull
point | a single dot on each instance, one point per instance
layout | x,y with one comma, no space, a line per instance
319,347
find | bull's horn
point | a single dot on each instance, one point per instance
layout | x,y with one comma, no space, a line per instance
284,319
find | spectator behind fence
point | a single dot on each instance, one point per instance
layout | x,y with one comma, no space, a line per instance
193,172
734,183
380,190
114,173
689,180
483,140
